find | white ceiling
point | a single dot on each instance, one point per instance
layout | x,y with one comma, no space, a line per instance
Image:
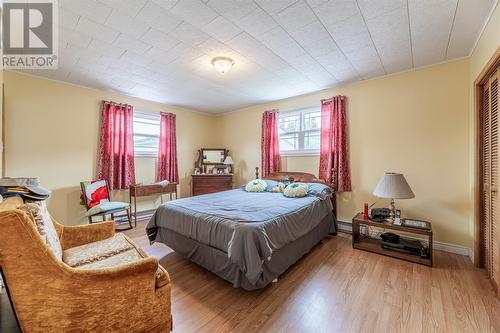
160,50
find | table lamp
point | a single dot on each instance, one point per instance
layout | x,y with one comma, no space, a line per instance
393,186
228,161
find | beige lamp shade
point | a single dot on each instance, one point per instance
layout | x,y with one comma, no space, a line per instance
393,186
228,160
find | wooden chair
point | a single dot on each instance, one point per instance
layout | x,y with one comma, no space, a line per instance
97,198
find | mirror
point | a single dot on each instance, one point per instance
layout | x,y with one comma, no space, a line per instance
213,156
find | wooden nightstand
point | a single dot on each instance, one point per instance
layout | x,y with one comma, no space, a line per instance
362,242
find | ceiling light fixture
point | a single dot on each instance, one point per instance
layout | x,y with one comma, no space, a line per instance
222,64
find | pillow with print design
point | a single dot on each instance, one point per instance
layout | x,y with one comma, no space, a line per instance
296,190
256,185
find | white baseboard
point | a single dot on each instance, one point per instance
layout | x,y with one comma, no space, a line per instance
451,248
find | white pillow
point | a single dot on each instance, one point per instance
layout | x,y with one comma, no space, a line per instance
256,185
296,190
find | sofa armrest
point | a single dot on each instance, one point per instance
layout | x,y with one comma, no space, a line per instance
72,236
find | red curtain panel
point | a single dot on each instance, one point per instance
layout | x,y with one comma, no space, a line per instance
270,143
167,152
334,152
116,149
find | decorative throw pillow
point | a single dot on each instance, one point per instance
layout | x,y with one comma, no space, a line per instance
279,188
39,212
296,190
256,185
33,211
96,193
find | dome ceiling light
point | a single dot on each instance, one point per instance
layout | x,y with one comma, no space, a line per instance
222,64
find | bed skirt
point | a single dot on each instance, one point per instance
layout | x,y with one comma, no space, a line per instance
217,261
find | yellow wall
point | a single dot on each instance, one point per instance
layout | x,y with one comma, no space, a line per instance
488,43
416,123
52,132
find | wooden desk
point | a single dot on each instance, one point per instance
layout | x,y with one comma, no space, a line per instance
146,190
362,242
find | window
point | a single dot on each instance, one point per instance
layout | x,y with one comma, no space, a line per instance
299,132
146,134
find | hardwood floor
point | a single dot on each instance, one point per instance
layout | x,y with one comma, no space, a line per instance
335,289
332,289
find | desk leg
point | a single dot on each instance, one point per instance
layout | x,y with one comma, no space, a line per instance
135,211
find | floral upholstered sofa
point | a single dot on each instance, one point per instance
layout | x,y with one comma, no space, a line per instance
78,278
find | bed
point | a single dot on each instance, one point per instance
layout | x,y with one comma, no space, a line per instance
247,238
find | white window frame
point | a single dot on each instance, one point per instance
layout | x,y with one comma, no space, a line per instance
150,116
300,151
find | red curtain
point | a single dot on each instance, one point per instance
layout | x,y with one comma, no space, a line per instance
270,143
334,146
167,152
116,149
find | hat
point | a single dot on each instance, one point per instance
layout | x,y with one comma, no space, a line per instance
26,192
38,190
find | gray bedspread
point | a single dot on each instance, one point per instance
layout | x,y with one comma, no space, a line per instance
247,226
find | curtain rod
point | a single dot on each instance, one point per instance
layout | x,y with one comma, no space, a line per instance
331,99
111,102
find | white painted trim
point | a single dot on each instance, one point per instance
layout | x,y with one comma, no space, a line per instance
345,226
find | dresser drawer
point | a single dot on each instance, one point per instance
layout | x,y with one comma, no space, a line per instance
205,184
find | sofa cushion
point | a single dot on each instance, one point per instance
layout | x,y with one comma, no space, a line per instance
92,252
106,207
127,257
41,217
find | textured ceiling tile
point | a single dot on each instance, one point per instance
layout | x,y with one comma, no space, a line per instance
275,6
296,16
332,12
276,38
233,10
133,44
468,23
430,23
374,8
311,34
162,56
194,11
166,4
159,39
96,30
189,34
136,58
67,19
257,23
126,24
73,37
102,47
91,9
221,29
391,26
127,7
158,17
214,47
346,29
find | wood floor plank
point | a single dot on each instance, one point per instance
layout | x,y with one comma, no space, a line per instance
335,288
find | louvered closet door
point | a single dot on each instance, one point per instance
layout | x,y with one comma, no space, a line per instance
495,213
490,215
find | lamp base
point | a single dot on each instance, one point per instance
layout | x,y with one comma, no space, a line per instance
392,208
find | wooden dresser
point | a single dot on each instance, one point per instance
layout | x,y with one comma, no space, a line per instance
207,183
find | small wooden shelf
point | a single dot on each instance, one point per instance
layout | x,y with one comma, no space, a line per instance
362,242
